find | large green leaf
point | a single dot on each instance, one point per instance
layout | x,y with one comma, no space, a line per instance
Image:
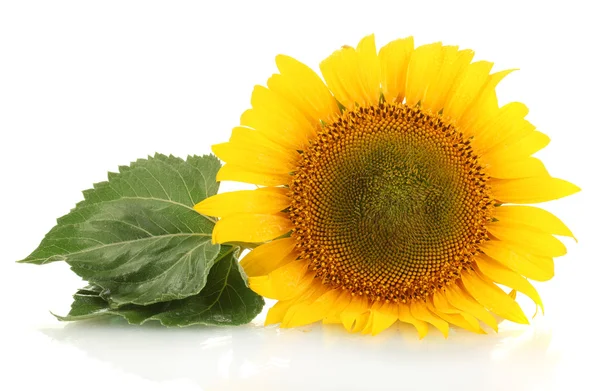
137,236
225,300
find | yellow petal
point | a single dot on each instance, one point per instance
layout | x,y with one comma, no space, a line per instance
394,58
279,310
444,84
362,323
268,257
440,304
484,107
524,168
370,70
266,200
369,323
532,217
351,315
231,172
420,311
301,86
458,318
382,317
283,283
524,147
276,313
353,75
313,310
333,315
531,190
531,241
492,297
468,90
534,267
241,135
424,65
464,302
495,271
251,228
404,315
278,120
368,327
264,159
507,123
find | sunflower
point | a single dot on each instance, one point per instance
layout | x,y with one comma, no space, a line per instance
391,191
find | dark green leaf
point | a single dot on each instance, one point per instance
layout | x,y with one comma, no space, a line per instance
137,236
225,300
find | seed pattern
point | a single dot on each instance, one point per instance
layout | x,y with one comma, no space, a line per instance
389,202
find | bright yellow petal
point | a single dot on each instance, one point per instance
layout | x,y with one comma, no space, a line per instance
531,190
268,257
492,297
524,168
333,315
468,89
534,267
264,159
526,146
362,323
484,107
531,241
313,309
256,140
420,311
394,58
369,324
440,305
495,271
283,283
278,120
231,172
458,318
382,317
251,228
353,75
506,124
532,217
266,200
279,310
351,316
370,71
301,86
464,302
444,84
404,315
424,65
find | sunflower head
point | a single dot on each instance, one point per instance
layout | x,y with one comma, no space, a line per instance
390,191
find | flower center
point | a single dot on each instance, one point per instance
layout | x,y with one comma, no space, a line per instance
389,202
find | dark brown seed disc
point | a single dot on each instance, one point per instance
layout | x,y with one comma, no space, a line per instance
389,202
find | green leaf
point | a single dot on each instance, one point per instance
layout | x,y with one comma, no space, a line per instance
137,236
225,300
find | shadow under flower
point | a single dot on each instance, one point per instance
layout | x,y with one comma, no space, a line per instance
318,357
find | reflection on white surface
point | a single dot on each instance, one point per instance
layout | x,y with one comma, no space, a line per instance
319,357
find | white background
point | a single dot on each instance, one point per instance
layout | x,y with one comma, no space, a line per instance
86,86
